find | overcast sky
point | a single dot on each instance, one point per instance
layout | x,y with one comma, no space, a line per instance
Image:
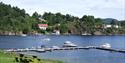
97,8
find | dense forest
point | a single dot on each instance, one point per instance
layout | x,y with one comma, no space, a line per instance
16,21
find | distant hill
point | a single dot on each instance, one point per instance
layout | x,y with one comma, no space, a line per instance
109,20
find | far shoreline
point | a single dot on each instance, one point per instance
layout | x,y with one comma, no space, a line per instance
64,35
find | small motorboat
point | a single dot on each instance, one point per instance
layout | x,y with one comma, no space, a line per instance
106,45
40,50
69,44
55,47
23,35
46,39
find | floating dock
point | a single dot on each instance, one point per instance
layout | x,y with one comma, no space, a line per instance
41,50
111,49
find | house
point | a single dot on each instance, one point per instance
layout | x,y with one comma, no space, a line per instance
43,26
109,26
116,26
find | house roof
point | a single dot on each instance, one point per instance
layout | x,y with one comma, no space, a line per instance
43,25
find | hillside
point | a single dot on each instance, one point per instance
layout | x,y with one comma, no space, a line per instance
109,20
15,21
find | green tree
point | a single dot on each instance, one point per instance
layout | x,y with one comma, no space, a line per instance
63,28
36,15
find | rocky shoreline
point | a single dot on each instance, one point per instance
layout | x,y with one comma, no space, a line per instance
55,34
36,33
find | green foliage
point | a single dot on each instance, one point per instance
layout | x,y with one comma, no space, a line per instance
89,23
6,57
63,28
58,18
36,15
108,30
15,20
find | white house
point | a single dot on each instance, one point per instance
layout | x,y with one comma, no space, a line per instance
109,26
43,26
116,26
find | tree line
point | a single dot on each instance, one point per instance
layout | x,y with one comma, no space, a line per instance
16,21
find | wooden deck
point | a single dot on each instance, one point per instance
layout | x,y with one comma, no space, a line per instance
41,50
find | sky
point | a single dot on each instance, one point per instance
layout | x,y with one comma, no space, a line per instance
98,8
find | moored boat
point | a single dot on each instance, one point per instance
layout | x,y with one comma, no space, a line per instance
69,44
106,45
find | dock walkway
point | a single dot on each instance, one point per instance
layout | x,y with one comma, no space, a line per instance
40,50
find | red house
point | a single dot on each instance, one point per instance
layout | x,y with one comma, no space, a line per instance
43,26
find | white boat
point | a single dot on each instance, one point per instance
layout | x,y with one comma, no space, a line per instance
69,44
46,39
55,47
10,50
40,50
23,35
106,45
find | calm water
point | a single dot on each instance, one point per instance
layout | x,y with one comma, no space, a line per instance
74,56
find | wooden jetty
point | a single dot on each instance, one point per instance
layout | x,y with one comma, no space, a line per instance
110,49
41,50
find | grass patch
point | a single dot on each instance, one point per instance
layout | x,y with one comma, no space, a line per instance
10,58
6,57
